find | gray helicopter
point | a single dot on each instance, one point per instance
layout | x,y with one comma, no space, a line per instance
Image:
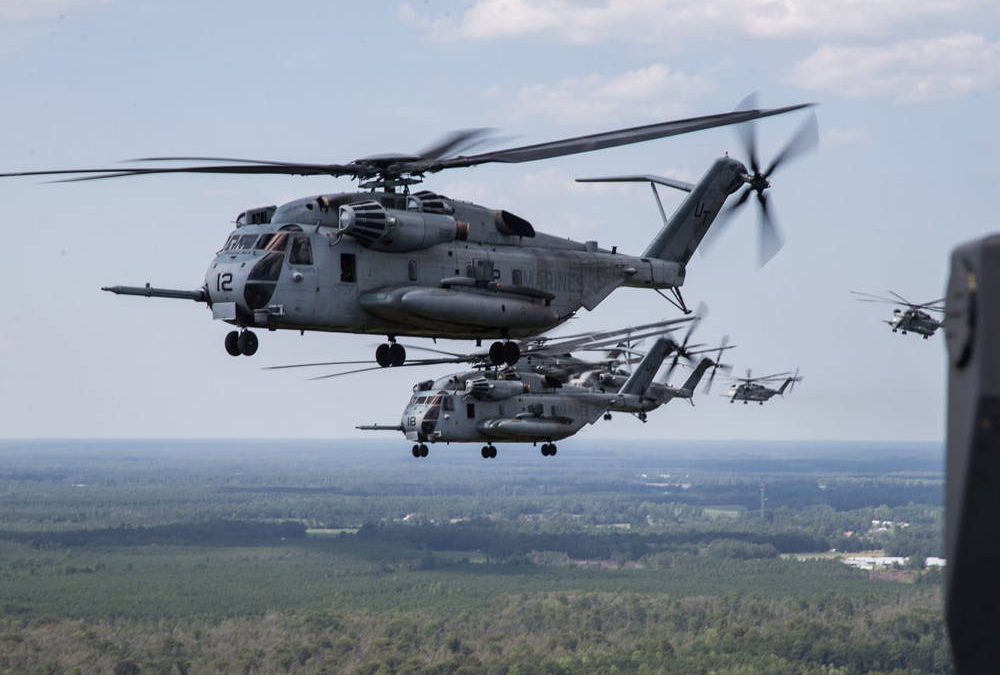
914,318
611,376
385,261
515,405
533,401
749,388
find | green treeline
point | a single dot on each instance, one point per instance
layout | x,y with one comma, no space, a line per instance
558,633
207,533
501,543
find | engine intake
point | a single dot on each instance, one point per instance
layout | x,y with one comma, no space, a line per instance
382,229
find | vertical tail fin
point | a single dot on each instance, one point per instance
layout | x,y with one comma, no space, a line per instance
685,229
696,376
639,380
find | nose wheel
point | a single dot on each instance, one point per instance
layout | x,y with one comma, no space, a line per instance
488,452
549,449
504,352
241,343
390,354
420,450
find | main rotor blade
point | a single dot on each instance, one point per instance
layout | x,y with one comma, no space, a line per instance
609,139
901,298
804,140
287,169
747,133
869,297
771,240
412,362
456,141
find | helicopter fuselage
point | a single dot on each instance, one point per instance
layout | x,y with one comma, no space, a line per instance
915,321
488,275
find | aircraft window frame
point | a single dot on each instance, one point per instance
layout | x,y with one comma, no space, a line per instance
348,268
411,270
263,240
300,251
470,410
448,404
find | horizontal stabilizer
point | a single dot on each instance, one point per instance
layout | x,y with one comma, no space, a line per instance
645,178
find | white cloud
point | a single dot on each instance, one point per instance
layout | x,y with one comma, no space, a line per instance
653,91
23,10
656,21
909,71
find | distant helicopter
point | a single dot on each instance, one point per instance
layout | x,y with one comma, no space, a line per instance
749,388
914,318
611,376
387,262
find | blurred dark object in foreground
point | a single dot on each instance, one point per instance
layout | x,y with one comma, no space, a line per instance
972,525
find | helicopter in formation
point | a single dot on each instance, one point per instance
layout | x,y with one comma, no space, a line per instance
750,388
549,395
915,318
610,375
385,261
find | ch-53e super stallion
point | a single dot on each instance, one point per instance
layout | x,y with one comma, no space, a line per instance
914,318
388,262
516,404
610,375
749,388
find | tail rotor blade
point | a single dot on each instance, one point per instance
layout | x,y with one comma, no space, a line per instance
748,132
804,140
770,241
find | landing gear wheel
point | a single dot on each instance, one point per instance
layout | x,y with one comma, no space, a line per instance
485,452
498,353
232,343
247,343
545,449
397,354
642,417
424,451
552,449
607,417
415,450
382,356
511,353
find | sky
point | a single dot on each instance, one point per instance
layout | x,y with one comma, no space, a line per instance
907,168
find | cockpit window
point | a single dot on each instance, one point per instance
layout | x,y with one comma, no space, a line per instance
278,242
301,251
246,242
231,242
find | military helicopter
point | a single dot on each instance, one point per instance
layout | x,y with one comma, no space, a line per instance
384,261
611,376
755,388
914,318
515,405
542,377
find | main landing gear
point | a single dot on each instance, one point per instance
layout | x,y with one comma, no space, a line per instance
488,452
549,449
243,342
504,352
390,354
420,450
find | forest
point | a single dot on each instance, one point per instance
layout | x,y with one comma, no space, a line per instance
348,557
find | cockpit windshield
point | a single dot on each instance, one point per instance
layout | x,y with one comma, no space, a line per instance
261,242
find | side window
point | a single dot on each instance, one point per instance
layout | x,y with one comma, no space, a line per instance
517,278
301,251
470,410
449,403
412,270
348,267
